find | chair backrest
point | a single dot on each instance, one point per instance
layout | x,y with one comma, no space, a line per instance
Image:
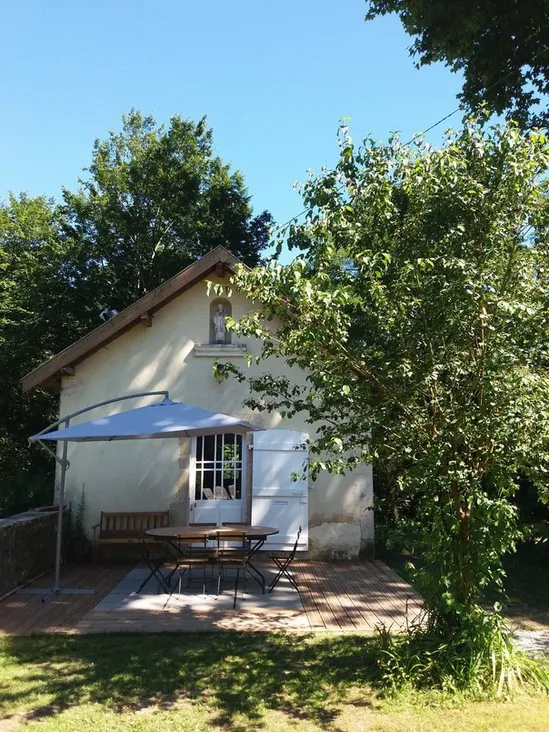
203,526
237,536
234,523
200,538
294,550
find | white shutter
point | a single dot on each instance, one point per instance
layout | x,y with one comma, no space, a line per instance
277,500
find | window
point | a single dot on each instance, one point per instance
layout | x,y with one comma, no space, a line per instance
218,472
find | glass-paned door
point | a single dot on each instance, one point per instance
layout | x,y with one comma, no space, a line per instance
218,476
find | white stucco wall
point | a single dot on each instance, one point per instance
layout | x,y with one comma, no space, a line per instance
150,474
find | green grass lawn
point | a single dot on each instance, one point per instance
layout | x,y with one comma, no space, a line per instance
229,681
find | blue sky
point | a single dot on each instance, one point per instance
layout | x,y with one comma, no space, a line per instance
274,80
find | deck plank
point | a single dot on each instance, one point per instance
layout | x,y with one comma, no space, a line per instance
381,609
329,619
334,586
389,603
308,597
361,615
355,585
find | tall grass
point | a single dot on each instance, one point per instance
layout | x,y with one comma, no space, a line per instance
479,657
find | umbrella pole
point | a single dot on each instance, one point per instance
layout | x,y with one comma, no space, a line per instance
61,506
56,589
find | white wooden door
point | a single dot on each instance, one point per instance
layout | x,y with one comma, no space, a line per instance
278,499
217,481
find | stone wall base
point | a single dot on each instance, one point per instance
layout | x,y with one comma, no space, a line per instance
27,548
335,541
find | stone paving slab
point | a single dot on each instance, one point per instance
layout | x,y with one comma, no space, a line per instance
192,610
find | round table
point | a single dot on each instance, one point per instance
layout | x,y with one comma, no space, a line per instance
256,535
205,532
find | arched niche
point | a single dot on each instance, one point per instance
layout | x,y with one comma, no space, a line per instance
220,308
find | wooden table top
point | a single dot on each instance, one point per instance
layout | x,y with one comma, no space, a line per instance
187,532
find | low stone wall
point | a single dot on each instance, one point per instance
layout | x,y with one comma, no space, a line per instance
27,548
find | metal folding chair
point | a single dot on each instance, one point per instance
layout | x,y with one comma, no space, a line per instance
235,557
194,552
283,562
154,559
198,544
186,565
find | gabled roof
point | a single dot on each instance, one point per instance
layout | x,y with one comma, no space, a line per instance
219,261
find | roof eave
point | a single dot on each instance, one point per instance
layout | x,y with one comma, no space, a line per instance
219,261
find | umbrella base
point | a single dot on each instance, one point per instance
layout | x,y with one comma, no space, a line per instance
51,594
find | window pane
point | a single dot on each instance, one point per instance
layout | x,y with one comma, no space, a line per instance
228,486
238,485
208,479
209,447
198,488
218,479
229,453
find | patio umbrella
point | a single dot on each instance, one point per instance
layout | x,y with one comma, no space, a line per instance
156,421
166,419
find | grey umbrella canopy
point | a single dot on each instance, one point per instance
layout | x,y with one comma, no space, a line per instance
156,421
164,420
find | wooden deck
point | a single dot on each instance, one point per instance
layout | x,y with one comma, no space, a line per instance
355,596
335,596
21,614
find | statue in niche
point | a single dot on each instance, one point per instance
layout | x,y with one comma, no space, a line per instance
219,324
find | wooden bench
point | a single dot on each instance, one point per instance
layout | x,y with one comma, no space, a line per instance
127,527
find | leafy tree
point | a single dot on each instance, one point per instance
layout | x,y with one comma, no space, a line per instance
419,313
36,301
501,46
156,199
